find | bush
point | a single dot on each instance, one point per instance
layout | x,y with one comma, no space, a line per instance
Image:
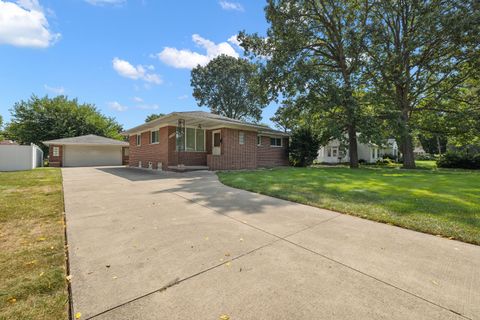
385,162
425,156
362,161
303,147
389,156
459,160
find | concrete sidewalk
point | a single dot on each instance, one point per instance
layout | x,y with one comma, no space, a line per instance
147,245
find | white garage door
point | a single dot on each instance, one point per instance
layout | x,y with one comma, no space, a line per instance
84,156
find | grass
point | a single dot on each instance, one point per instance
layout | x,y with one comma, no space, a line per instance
440,202
32,259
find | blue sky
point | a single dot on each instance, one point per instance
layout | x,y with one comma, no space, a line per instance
128,57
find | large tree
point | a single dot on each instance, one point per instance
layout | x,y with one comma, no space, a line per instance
227,86
39,119
315,51
417,50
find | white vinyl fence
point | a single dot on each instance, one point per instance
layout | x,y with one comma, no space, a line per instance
15,157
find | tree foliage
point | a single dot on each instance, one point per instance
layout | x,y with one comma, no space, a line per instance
304,147
227,86
314,51
417,50
39,119
153,116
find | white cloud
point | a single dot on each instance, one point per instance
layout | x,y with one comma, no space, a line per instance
188,59
147,106
23,24
127,70
117,106
56,90
183,97
106,2
234,40
137,99
227,5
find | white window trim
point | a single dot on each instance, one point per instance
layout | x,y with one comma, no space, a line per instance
275,146
241,134
56,151
204,140
139,139
151,136
259,137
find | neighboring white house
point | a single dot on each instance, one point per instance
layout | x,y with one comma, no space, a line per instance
333,152
15,157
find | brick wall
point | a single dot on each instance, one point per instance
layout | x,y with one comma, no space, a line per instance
125,155
148,152
233,154
268,156
55,161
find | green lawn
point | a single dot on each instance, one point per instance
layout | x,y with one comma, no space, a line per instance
32,259
440,202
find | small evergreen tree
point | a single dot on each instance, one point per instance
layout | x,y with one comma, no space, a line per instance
304,147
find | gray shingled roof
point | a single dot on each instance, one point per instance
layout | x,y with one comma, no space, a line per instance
206,116
89,139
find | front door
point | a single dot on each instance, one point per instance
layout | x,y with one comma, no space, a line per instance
216,142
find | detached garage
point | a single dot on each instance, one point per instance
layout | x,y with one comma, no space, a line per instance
87,151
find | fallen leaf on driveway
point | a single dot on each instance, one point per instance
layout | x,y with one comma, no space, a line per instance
228,264
12,300
114,277
206,238
227,254
241,239
78,315
69,278
224,317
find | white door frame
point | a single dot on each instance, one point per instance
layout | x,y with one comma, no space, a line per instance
216,151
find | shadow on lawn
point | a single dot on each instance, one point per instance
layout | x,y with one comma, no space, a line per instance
385,195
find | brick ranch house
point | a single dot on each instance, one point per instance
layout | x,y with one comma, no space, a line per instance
202,140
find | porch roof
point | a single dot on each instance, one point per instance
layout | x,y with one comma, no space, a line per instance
204,119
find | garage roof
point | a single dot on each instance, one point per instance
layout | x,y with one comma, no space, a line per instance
89,139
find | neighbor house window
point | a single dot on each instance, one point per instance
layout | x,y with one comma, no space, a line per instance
154,137
334,152
275,142
241,137
259,140
373,153
139,139
56,151
191,139
329,152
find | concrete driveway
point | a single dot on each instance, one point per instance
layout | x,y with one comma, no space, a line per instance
147,245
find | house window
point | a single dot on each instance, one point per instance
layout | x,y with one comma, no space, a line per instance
241,137
373,153
334,152
329,152
139,139
275,142
56,151
154,137
191,139
259,140
200,140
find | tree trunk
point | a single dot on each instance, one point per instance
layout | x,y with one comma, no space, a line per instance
352,146
408,155
439,146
